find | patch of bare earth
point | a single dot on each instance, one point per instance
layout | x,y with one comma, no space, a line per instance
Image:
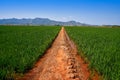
60,62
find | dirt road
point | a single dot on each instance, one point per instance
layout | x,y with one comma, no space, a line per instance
60,62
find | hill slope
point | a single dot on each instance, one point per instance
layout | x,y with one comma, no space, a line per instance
38,21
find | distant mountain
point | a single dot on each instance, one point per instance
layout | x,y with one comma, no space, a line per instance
38,21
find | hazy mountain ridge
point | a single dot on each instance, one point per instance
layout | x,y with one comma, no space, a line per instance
38,21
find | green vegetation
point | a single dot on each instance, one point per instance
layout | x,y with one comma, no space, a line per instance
101,46
21,46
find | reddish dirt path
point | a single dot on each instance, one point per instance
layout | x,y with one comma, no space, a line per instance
60,62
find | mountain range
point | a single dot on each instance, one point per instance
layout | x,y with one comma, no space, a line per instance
38,21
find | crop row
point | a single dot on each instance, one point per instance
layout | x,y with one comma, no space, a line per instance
21,47
101,46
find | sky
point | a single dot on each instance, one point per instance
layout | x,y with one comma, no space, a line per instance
95,12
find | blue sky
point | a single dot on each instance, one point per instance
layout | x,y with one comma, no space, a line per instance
86,11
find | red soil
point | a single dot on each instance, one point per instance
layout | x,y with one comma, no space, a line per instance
60,62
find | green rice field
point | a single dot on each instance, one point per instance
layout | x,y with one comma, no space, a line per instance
21,47
101,47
